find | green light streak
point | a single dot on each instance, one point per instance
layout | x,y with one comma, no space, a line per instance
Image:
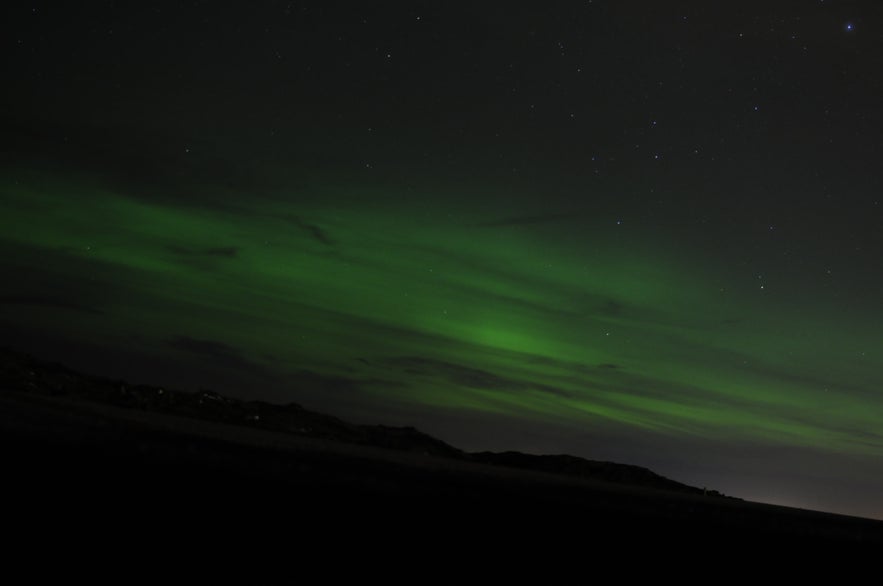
495,318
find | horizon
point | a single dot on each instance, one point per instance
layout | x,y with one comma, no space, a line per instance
624,231
141,387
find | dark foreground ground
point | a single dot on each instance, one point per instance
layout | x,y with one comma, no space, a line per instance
103,492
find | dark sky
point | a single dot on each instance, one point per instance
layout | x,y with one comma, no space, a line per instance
647,232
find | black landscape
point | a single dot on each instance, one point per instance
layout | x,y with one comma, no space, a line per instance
160,469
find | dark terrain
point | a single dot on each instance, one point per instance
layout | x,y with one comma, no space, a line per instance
99,472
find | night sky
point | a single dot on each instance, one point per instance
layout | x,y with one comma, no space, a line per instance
639,231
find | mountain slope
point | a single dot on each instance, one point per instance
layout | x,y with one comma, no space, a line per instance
24,373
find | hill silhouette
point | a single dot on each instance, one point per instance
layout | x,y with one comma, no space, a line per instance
22,372
109,473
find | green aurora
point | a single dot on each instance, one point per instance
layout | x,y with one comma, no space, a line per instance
415,307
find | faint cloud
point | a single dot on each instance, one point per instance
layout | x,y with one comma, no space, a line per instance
217,353
312,230
221,251
467,376
47,302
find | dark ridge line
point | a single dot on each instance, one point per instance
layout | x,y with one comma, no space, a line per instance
22,372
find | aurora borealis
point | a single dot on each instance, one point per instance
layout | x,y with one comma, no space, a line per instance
681,280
